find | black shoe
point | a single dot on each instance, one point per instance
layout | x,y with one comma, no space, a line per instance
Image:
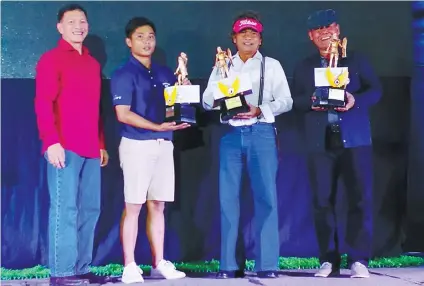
230,274
95,279
267,274
68,281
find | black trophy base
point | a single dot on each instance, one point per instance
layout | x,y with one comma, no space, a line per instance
231,106
181,113
322,98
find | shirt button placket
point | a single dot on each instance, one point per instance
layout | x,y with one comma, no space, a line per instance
151,77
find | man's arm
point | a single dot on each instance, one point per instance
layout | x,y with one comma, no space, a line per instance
46,93
370,85
122,88
207,98
101,130
283,101
125,115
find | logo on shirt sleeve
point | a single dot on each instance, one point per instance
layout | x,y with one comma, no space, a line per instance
117,97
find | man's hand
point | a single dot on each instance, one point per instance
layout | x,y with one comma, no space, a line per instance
186,81
317,108
56,155
172,126
252,113
104,157
350,102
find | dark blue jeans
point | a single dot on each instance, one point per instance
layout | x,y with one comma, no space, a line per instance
74,211
255,147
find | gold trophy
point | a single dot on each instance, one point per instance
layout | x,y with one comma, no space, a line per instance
233,101
221,61
330,92
179,96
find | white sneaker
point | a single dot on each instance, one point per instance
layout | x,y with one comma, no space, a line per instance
132,274
359,270
326,270
165,269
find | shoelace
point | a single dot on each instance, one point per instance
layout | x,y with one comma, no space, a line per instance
169,264
360,266
325,265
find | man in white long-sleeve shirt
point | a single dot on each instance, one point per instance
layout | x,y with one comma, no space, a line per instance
250,139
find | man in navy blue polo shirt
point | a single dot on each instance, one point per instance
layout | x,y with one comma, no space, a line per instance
339,145
146,149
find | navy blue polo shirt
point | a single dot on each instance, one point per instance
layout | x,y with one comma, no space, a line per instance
143,89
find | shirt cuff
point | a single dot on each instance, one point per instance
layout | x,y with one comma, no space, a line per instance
267,114
51,140
102,145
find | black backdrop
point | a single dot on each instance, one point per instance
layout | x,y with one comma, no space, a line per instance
193,221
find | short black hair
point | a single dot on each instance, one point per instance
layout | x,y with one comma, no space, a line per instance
136,23
67,8
246,14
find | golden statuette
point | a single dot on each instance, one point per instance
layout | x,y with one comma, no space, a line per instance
181,71
221,61
333,50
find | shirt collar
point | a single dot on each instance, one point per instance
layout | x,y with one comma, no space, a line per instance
64,45
140,65
257,56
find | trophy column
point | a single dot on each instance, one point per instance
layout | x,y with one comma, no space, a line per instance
231,90
331,82
178,98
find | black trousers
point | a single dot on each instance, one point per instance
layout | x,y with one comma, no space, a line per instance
354,167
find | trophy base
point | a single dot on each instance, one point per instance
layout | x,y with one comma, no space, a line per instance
231,106
329,98
181,113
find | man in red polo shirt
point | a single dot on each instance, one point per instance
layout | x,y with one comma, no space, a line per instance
67,106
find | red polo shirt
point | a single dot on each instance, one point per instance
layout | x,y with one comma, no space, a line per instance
67,100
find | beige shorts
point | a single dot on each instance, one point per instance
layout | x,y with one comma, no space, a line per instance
148,168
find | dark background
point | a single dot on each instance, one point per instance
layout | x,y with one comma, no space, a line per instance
382,30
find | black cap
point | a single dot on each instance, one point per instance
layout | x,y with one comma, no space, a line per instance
321,18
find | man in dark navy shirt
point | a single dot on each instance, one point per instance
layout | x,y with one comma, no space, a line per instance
339,144
146,148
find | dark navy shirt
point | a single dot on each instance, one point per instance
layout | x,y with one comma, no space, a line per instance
143,89
355,125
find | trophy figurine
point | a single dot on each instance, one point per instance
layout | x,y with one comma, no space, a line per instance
230,90
179,96
181,71
331,82
333,50
221,61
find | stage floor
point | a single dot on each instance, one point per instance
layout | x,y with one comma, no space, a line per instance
381,276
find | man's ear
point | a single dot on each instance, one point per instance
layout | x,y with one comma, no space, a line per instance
338,30
59,28
310,35
128,42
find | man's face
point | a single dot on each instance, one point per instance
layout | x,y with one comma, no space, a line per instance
73,26
247,41
322,37
142,41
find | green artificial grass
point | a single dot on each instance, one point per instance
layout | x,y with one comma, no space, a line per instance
286,263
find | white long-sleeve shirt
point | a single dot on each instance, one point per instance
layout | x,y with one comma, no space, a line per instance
276,94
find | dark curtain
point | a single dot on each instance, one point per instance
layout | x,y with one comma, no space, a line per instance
415,222
193,220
